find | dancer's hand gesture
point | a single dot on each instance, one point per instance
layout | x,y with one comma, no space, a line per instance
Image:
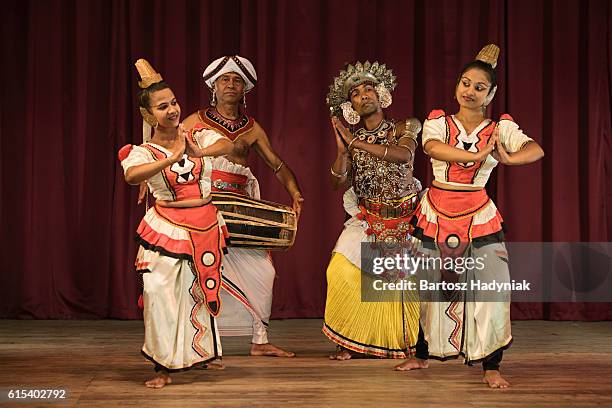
179,148
500,154
339,128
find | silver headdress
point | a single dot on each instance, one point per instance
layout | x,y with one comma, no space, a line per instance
355,75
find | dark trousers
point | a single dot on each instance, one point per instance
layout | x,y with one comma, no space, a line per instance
491,362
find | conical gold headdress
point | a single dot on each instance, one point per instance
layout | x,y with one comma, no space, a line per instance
489,55
148,77
147,74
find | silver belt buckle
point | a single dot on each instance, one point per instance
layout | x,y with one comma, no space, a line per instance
220,184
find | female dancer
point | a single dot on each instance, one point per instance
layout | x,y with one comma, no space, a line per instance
181,238
461,220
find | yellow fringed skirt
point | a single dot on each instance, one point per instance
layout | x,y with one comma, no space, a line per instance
387,329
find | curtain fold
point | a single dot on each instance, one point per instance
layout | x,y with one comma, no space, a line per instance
69,103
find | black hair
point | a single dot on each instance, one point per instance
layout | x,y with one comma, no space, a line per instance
144,96
483,66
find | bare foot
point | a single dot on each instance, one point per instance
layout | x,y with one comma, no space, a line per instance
494,379
160,380
412,364
341,355
269,350
211,366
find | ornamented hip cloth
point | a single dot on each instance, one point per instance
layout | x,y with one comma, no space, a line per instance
453,224
248,274
180,260
387,328
457,218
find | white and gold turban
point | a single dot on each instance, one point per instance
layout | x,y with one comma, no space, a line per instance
237,64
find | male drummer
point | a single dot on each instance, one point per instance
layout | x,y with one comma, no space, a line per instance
248,274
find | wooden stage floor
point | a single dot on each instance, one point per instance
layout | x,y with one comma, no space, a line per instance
551,364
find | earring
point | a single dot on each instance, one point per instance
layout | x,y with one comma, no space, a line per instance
490,96
213,99
349,113
243,100
383,95
149,118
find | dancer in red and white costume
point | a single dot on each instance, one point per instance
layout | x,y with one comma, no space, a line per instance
181,238
458,219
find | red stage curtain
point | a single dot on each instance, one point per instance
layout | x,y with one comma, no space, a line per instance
68,105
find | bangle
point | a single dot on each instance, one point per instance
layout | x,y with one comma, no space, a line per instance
407,148
280,166
411,136
386,151
351,143
338,175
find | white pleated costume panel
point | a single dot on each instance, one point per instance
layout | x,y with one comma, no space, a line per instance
474,329
168,304
248,278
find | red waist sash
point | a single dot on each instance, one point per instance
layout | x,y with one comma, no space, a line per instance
224,181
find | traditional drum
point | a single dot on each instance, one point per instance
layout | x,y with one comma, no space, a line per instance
256,223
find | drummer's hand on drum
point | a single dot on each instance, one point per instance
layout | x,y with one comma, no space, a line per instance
298,201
